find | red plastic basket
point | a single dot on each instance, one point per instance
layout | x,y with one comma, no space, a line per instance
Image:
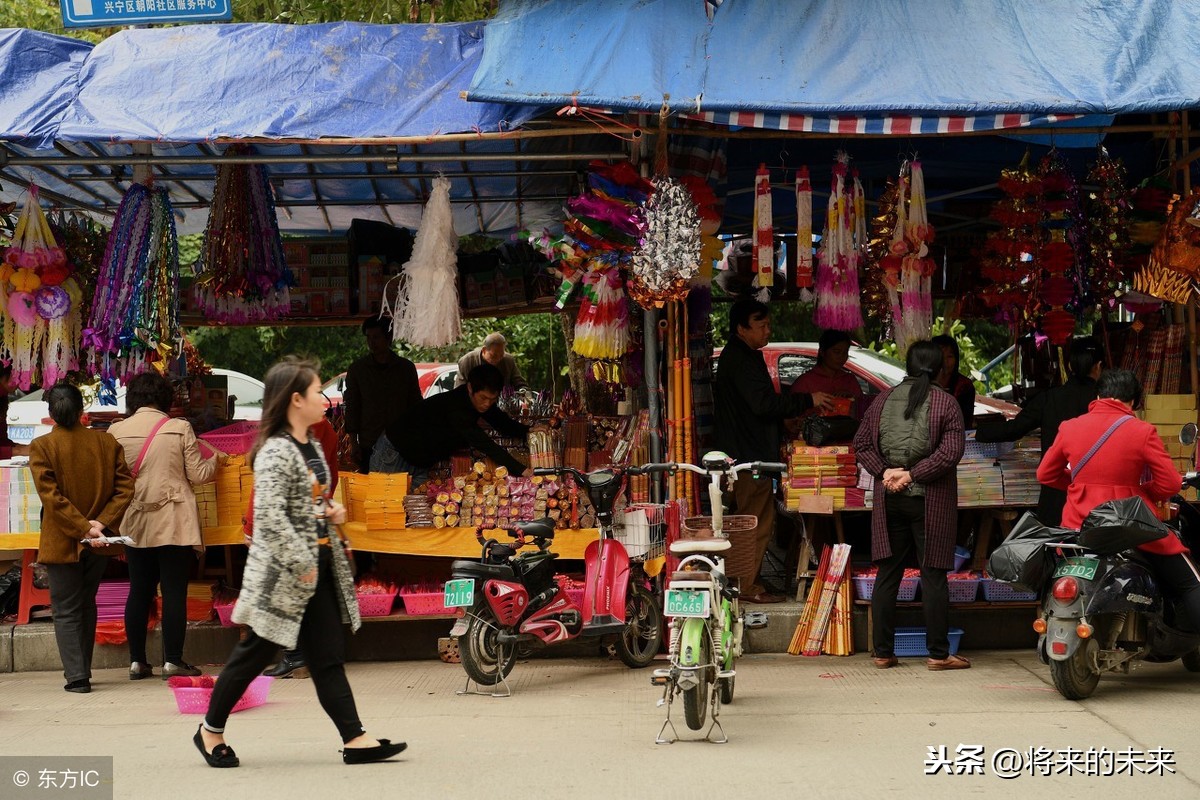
236,439
225,615
376,605
422,604
194,700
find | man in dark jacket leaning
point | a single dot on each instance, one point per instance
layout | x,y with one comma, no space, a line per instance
1049,409
749,413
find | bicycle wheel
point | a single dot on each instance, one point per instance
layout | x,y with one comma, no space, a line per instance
641,640
725,685
696,699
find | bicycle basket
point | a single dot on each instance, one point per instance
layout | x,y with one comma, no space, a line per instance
701,527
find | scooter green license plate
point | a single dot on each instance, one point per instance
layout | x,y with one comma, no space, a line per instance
1077,567
686,603
459,593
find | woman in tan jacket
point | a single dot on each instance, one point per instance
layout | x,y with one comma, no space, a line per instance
85,488
162,519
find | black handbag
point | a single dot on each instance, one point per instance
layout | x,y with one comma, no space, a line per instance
820,431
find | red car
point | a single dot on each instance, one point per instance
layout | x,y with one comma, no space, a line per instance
787,361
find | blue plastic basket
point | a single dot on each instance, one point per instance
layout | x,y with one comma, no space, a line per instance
995,591
911,641
864,587
963,591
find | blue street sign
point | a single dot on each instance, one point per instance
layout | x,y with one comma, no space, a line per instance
114,13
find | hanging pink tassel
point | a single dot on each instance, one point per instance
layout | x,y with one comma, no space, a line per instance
838,305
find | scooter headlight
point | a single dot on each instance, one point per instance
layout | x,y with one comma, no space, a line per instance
1065,590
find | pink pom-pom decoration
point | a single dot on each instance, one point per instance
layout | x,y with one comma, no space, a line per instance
22,308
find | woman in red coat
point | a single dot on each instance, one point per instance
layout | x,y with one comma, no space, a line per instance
1132,462
911,441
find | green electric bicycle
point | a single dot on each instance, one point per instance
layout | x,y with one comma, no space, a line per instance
706,620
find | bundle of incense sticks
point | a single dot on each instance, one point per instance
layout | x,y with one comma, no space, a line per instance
839,639
834,577
810,605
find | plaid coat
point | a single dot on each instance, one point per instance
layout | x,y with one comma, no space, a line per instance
937,472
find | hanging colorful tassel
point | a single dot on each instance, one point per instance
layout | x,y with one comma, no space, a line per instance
838,304
426,308
804,249
602,326
39,301
241,275
763,252
134,324
916,270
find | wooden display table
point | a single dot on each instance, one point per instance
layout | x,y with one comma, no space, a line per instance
975,605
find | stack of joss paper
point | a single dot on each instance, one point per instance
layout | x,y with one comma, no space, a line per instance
234,483
830,471
377,499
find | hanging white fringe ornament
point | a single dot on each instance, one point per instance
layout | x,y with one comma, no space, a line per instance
916,296
669,256
764,233
426,308
838,303
804,250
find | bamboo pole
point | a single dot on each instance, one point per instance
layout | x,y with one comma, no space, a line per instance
836,574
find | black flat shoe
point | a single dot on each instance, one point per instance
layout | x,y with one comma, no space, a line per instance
222,756
366,755
79,687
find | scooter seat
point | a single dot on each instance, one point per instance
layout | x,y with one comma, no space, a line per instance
686,546
690,575
537,528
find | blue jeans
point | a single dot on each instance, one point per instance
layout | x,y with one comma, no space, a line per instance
385,458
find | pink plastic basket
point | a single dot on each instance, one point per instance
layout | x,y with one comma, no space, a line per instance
225,615
194,700
422,604
864,587
236,439
376,605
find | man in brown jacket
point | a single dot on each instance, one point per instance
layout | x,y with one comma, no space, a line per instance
85,488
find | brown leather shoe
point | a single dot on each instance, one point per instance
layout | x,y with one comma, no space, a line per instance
885,662
762,598
949,662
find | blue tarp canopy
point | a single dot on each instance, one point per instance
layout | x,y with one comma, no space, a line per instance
832,57
357,118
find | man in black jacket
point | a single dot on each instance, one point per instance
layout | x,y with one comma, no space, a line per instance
437,426
749,413
1049,409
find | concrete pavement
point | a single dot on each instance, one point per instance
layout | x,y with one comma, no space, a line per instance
585,728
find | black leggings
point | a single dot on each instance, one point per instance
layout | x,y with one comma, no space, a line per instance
149,567
323,642
1180,580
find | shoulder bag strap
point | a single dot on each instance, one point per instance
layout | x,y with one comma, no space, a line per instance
1099,443
137,465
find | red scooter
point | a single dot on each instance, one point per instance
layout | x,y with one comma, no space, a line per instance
513,599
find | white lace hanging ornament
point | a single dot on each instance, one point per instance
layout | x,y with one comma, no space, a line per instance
916,272
669,256
804,249
426,311
763,249
838,303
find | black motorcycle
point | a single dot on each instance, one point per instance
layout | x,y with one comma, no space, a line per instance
1103,609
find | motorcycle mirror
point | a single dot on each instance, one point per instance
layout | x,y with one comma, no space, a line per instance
1187,434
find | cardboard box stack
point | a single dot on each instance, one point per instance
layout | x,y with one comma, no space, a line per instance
823,471
1168,413
20,506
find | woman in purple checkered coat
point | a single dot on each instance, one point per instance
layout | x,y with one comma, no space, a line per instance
911,441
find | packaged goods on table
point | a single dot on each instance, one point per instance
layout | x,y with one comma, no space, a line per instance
830,470
377,499
20,505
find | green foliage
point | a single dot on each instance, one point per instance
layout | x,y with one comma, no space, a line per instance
975,350
535,340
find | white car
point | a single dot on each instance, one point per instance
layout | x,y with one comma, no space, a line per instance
28,417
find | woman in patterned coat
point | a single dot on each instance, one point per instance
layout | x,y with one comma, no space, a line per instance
911,441
297,587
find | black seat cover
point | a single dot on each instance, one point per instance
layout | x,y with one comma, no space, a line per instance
473,569
537,529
